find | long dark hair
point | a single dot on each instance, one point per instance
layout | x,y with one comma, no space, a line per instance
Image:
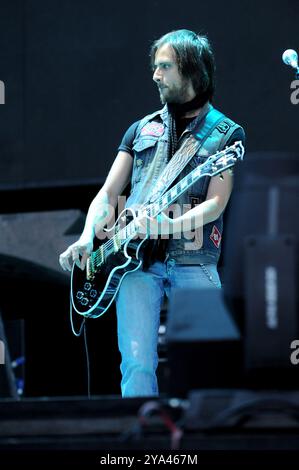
195,59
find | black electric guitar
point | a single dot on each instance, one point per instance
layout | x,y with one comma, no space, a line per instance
94,289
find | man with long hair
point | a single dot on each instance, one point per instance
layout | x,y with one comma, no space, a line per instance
184,72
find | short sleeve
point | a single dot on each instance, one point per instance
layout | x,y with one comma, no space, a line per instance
128,139
237,135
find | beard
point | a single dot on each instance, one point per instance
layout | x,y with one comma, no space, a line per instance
175,95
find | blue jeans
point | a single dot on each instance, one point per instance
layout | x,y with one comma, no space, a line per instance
138,306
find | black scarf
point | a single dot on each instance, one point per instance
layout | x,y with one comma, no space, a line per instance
176,111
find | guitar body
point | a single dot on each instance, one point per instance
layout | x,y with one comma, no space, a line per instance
92,297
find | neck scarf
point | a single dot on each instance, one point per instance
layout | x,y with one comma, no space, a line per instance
176,111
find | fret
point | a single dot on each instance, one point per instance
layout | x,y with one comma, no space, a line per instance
102,254
197,172
184,183
157,207
194,177
125,232
97,260
105,252
150,210
98,257
130,229
116,242
173,192
165,200
122,233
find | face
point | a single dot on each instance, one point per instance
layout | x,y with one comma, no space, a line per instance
173,88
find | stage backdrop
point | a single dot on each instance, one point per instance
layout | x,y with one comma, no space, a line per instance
76,75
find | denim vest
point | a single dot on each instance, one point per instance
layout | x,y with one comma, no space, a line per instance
150,158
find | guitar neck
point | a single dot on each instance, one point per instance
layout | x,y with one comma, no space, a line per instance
162,203
214,165
173,193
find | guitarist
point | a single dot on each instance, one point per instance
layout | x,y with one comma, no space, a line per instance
187,242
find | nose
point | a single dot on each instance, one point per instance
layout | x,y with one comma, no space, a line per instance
157,75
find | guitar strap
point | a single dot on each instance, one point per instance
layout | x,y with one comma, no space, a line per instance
211,118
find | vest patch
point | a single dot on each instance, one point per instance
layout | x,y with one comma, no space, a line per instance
215,236
224,127
153,128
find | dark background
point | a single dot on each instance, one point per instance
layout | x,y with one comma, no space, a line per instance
77,75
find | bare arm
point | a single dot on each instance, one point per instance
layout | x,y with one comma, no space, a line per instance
100,211
218,194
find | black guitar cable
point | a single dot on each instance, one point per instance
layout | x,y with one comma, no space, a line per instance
79,333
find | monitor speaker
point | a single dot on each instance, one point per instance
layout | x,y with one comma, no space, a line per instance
204,344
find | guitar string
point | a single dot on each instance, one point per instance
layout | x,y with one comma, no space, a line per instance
149,208
162,199
106,247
